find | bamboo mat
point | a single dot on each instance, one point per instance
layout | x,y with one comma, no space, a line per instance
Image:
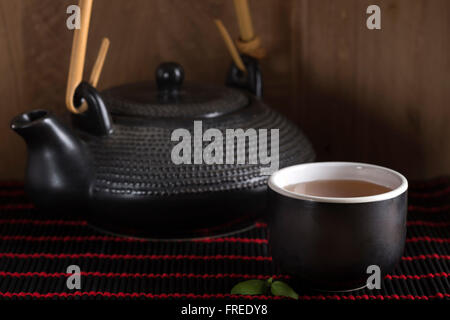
35,251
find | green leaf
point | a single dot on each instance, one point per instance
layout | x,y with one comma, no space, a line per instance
249,287
280,288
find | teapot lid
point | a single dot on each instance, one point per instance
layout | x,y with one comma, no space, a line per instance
169,98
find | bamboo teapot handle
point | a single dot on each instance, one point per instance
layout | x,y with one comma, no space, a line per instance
77,59
245,53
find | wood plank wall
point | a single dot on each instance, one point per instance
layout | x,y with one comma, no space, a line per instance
373,96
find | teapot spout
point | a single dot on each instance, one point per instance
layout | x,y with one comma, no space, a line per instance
58,166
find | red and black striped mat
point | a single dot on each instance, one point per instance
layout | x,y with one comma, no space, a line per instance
35,251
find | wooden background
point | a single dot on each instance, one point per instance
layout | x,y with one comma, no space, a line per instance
372,96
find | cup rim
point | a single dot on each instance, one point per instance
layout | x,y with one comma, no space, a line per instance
378,197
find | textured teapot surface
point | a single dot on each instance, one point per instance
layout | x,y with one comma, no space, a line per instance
168,97
136,157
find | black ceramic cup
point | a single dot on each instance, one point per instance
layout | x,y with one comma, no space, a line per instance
328,243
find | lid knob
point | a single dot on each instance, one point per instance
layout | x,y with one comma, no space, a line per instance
169,77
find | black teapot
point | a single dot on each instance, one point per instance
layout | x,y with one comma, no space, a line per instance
150,159
115,164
